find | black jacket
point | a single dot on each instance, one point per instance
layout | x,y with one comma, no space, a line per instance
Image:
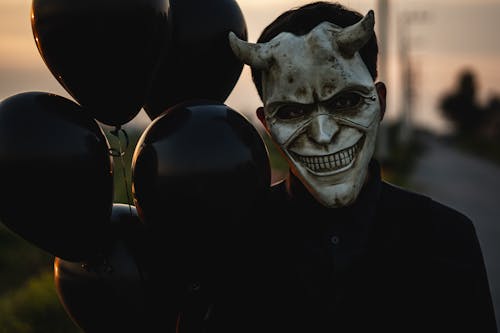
395,261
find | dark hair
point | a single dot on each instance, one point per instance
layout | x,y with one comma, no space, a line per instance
302,20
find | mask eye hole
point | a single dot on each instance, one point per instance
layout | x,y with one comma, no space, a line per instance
347,100
286,112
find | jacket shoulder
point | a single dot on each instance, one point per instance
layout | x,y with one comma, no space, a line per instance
447,234
422,206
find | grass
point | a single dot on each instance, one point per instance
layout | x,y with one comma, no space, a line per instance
19,259
28,299
21,314
122,164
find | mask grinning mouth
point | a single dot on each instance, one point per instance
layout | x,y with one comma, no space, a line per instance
332,162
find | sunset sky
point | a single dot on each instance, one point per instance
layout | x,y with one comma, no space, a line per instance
454,35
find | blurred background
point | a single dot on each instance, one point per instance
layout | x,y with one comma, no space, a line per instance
440,136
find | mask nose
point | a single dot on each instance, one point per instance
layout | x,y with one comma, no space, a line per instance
323,128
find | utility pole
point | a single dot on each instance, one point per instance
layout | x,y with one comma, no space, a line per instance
405,21
382,151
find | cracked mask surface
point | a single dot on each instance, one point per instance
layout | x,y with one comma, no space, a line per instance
321,107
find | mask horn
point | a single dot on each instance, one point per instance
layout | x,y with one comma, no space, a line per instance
254,55
351,39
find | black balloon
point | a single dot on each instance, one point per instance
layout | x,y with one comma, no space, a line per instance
55,174
104,53
200,63
107,294
199,158
198,173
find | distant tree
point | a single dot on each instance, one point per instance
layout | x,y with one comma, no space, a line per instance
490,130
493,106
477,126
461,107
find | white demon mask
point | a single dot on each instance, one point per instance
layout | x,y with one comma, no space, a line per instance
320,105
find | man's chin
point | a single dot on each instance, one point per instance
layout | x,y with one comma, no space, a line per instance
337,190
337,196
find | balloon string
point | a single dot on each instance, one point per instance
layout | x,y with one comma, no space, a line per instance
121,153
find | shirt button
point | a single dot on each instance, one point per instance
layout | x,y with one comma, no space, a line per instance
335,240
194,287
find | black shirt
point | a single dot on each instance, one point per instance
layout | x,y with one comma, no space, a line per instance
394,261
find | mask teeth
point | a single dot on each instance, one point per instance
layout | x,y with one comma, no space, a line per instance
330,162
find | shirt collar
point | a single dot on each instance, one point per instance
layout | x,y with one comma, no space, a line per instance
345,232
364,205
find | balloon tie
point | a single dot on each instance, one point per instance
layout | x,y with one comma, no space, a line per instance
120,152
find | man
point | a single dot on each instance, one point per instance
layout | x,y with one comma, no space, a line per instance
340,249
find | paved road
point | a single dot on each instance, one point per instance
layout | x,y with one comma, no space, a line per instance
472,186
